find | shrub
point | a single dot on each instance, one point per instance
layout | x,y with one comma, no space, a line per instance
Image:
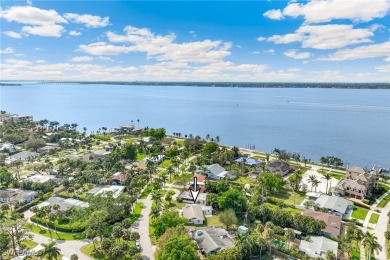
67,228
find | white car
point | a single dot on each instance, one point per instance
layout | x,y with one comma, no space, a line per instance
138,245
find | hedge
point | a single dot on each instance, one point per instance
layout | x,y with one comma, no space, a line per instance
28,205
62,228
361,205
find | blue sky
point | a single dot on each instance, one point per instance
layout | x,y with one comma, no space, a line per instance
324,41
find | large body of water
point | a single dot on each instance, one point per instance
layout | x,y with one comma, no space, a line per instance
353,124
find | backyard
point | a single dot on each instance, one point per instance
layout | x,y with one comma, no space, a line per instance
359,213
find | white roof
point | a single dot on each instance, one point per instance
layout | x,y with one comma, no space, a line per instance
313,194
334,203
317,246
115,189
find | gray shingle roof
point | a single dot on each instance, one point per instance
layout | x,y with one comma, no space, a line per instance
334,203
193,211
211,240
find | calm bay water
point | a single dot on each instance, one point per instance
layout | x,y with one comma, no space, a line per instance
353,124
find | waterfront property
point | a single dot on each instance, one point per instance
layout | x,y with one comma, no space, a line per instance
317,246
17,195
333,223
211,240
280,167
247,161
335,205
64,204
357,183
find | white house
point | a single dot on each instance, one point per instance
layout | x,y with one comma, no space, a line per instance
217,172
317,246
194,214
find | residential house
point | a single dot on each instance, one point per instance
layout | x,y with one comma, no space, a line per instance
201,182
24,156
336,205
211,240
20,196
254,173
64,204
194,214
8,147
116,190
247,161
119,178
317,246
280,167
186,197
333,223
217,172
42,178
126,129
357,183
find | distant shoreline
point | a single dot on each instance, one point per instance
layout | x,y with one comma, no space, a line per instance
213,84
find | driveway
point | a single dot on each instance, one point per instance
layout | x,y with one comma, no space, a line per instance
68,247
321,186
142,227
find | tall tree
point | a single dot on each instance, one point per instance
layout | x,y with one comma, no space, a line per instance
50,251
327,177
370,242
228,218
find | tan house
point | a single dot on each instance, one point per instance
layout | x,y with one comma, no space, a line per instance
357,183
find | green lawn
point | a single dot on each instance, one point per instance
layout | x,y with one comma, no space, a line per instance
140,156
89,251
136,212
59,236
165,163
384,201
28,244
359,213
374,218
292,198
244,180
292,210
146,191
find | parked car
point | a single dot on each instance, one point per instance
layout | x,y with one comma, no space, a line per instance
138,245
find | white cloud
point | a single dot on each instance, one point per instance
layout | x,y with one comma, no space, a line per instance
102,48
255,52
261,39
81,58
316,11
40,61
323,37
362,52
270,51
13,34
38,49
31,15
297,55
104,58
46,30
383,69
387,59
8,50
275,14
88,20
74,33
160,47
239,46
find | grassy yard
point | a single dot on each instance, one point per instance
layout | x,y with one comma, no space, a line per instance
374,218
146,191
292,210
28,244
290,197
359,213
140,156
165,163
59,236
384,201
335,174
136,212
244,180
89,251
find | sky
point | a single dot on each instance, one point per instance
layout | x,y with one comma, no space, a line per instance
242,41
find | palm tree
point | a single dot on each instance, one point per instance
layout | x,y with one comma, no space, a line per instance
370,242
269,234
327,177
50,251
315,184
312,180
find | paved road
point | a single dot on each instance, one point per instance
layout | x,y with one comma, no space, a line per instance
380,229
68,247
142,227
